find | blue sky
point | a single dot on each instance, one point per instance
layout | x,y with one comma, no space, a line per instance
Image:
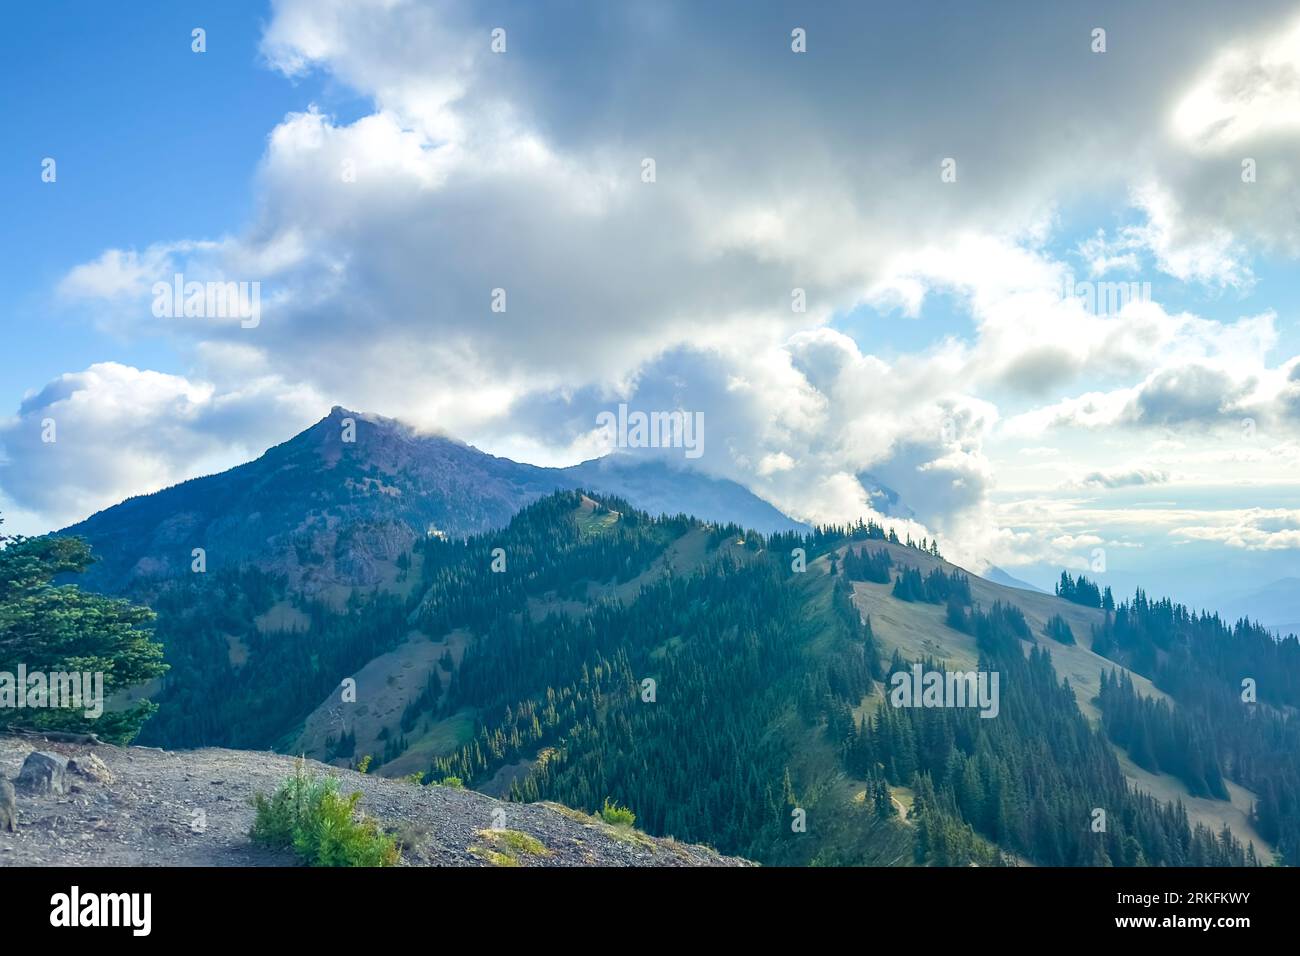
377,169
151,140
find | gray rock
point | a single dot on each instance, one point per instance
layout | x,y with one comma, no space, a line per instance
8,807
146,818
43,773
91,767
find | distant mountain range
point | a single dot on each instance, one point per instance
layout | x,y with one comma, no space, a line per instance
1276,605
337,501
998,576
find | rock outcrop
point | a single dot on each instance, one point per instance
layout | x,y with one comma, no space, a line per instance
42,774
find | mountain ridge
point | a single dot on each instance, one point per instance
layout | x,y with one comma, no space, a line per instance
336,501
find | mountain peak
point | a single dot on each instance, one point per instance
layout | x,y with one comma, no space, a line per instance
339,413
335,502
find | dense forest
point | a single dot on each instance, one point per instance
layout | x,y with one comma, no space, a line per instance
1236,689
742,701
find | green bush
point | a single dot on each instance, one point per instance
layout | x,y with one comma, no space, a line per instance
611,812
309,815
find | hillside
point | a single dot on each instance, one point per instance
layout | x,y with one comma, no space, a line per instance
155,808
728,686
722,686
918,630
761,683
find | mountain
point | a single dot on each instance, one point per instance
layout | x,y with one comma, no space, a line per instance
998,576
563,656
658,487
335,505
884,499
1276,605
379,599
144,807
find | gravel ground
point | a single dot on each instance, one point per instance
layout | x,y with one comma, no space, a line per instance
192,808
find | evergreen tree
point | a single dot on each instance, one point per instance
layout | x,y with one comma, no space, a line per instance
60,629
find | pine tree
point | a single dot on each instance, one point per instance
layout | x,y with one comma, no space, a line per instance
59,628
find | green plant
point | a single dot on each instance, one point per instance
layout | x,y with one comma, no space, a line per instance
309,815
54,628
508,848
455,782
619,816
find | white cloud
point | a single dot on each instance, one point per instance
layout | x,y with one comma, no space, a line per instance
119,431
1123,479
1257,529
1188,250
1250,90
379,241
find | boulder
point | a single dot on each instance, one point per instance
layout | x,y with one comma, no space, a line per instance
91,768
43,773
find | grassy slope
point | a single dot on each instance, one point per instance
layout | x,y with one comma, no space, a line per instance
385,686
915,629
918,629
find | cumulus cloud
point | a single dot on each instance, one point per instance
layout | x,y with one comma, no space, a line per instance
381,240
1193,399
89,439
1188,249
1249,91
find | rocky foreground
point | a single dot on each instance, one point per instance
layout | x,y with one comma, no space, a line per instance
139,806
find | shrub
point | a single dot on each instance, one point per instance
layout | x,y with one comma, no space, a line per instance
509,847
309,815
611,812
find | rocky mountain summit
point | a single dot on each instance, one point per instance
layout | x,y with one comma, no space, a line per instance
80,804
338,503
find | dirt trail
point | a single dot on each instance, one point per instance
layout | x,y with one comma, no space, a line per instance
192,808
